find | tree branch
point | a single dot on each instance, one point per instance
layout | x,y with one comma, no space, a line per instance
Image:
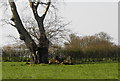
12,24
47,8
24,35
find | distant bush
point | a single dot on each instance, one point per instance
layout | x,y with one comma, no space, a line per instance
94,48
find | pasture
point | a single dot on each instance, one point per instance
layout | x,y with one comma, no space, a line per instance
18,70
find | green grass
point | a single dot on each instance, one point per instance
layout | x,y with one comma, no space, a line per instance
0,70
18,70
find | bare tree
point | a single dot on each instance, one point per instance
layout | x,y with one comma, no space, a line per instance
35,36
40,53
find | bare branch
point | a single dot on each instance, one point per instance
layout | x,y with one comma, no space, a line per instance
46,9
24,35
12,24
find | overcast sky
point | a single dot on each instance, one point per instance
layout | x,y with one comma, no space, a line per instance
87,18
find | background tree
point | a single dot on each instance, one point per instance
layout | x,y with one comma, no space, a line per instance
93,48
15,53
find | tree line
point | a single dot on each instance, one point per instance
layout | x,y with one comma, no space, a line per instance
95,48
82,49
15,53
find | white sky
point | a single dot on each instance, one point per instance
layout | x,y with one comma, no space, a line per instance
87,18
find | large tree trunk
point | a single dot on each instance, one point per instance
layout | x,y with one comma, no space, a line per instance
43,41
43,54
40,52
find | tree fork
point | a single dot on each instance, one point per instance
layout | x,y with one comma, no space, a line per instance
43,41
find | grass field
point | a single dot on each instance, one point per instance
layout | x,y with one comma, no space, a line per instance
18,70
0,71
